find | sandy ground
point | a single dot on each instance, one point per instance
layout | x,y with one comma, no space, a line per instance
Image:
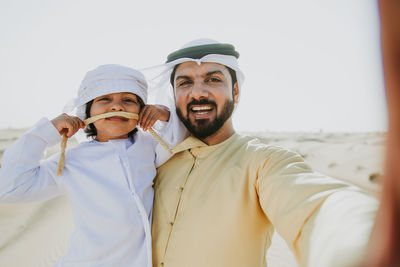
36,234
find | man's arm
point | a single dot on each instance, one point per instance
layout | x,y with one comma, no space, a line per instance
325,222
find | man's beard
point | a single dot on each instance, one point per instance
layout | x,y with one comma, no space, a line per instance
205,128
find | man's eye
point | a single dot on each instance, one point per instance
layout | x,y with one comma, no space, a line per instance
184,83
213,79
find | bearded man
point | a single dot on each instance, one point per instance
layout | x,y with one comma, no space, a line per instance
220,197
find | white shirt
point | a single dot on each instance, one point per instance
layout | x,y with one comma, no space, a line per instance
109,185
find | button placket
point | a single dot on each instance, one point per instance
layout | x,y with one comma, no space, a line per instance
178,205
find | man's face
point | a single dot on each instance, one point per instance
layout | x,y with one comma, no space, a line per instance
204,97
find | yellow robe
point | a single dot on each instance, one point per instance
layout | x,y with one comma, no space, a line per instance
218,206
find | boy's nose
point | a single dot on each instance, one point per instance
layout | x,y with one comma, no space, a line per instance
117,106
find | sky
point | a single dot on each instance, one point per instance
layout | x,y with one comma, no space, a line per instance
310,65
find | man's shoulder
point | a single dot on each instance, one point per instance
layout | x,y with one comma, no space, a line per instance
253,144
258,149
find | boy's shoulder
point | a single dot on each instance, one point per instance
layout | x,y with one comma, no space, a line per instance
81,147
144,138
78,148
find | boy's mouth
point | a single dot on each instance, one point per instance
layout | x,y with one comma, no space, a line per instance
117,118
119,115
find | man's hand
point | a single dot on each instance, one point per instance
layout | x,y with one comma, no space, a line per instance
67,125
150,114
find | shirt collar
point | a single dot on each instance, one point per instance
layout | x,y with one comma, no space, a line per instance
199,147
187,144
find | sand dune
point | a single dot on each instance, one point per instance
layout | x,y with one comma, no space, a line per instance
36,234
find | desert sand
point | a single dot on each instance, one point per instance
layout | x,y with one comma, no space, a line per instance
36,234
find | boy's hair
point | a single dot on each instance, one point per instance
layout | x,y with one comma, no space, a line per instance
90,129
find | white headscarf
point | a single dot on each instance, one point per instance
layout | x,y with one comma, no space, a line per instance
107,79
227,60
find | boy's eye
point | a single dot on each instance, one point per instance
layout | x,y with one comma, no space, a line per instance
130,100
105,98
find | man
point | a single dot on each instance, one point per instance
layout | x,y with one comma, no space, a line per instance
218,200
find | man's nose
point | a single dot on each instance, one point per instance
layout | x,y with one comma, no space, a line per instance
199,91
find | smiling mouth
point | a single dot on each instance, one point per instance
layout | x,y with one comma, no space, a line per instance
203,109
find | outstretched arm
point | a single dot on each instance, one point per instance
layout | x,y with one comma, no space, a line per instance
325,222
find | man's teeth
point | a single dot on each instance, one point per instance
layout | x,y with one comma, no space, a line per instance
201,108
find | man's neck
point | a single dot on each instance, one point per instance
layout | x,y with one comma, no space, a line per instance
221,135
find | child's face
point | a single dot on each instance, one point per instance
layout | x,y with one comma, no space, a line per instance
114,127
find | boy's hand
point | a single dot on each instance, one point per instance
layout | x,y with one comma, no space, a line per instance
150,114
67,124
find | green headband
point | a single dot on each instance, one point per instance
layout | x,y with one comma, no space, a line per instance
200,51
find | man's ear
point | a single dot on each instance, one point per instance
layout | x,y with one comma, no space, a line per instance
236,93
